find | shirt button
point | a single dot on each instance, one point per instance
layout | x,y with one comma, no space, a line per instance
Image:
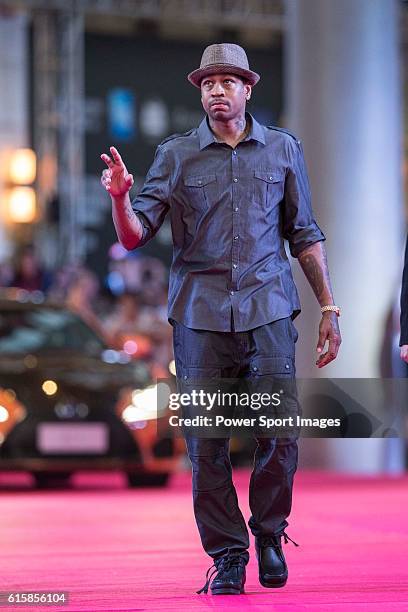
234,152
255,369
236,237
287,366
185,377
235,180
199,182
270,178
236,209
234,266
231,292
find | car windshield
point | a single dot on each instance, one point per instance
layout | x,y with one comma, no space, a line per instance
45,328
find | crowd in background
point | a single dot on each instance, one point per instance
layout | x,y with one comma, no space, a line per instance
128,309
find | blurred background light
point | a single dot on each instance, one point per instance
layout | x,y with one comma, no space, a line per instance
49,387
172,367
20,205
23,166
4,414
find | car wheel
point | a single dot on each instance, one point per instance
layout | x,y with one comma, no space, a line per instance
51,480
145,479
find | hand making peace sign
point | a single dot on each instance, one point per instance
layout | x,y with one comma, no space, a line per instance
116,179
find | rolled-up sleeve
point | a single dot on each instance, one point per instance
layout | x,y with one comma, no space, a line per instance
152,202
299,226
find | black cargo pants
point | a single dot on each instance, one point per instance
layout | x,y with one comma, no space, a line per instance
265,350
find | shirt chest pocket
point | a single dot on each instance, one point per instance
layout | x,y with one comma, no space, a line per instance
199,191
268,188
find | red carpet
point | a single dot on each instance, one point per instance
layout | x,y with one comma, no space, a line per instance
113,548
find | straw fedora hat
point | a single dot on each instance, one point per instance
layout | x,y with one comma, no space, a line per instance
224,58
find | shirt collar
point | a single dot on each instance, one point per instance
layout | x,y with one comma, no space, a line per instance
207,137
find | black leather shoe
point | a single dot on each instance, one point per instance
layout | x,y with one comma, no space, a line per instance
273,571
230,576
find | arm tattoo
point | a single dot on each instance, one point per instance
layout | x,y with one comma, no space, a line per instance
314,274
314,263
129,212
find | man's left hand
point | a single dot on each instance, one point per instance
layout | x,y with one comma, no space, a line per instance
328,330
404,352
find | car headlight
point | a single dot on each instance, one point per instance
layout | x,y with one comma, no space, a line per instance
147,404
4,414
11,412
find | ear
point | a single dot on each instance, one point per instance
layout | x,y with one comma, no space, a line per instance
248,91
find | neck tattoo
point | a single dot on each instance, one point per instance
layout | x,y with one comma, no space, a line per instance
245,132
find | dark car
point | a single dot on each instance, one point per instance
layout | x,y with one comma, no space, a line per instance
68,402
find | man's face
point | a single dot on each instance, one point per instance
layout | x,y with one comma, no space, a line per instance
224,96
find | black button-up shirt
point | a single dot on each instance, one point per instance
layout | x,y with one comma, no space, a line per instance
231,210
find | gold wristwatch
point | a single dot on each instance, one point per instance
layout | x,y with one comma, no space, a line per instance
330,307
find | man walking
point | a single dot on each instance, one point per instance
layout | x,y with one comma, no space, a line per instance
235,191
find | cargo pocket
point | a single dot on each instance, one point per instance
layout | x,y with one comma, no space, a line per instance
279,367
274,377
